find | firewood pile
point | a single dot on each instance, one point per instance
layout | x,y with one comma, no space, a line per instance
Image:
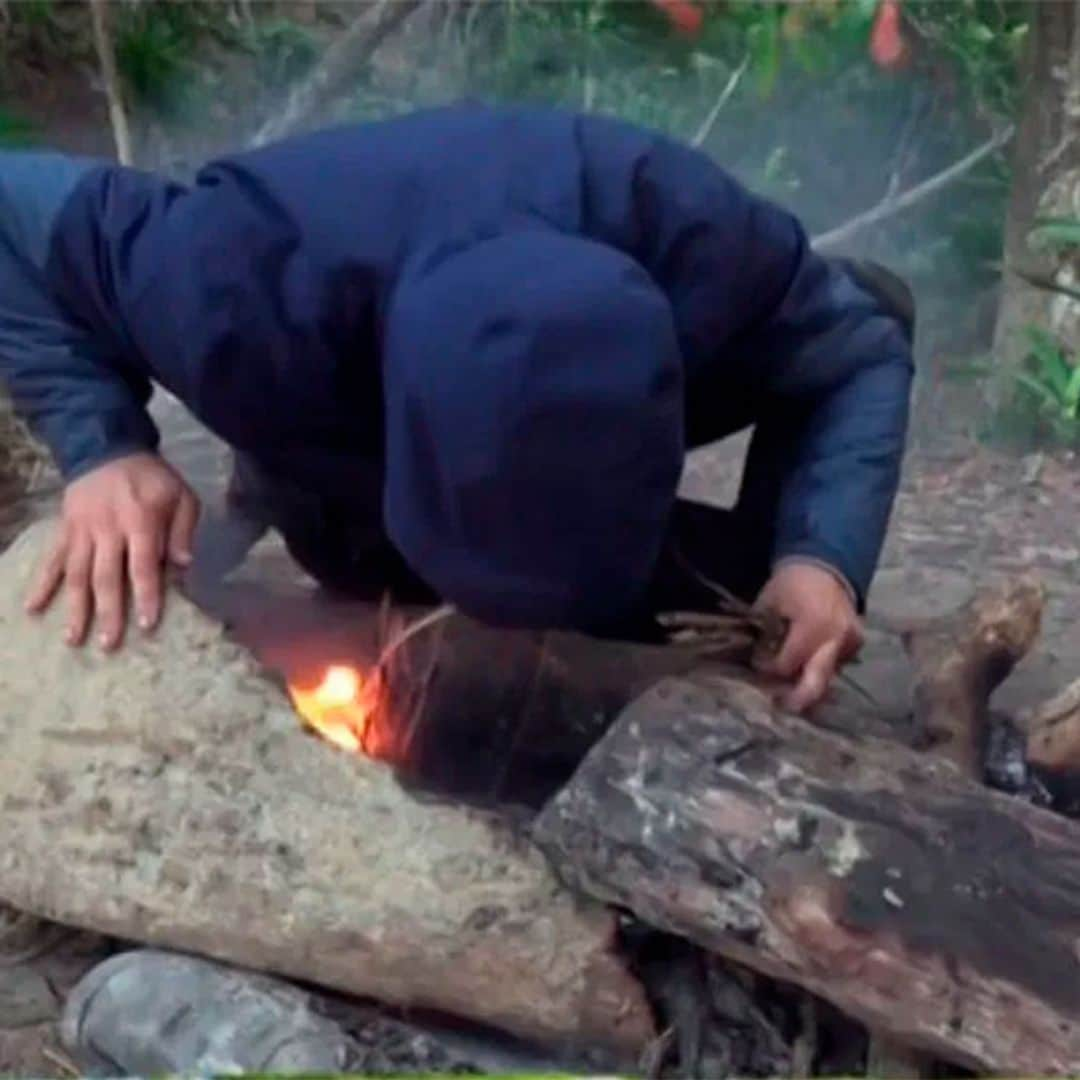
615,856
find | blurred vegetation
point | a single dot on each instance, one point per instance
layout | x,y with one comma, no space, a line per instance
810,113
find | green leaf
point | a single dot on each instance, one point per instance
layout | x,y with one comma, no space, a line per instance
1030,383
1054,369
763,40
1072,392
1057,232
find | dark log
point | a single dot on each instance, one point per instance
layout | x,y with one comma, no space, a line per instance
931,909
502,717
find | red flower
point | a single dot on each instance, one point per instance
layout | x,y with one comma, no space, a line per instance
685,18
887,45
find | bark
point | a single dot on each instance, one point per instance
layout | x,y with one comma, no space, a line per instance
168,795
933,910
960,660
1046,180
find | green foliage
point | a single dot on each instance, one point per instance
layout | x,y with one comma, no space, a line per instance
1058,233
15,130
283,51
983,39
35,12
1048,381
1052,378
154,44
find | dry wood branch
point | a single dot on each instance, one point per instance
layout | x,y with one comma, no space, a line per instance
334,73
894,204
932,909
106,54
730,87
959,661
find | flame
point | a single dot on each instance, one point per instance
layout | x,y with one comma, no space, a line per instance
341,708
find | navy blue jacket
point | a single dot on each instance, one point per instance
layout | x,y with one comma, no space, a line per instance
502,327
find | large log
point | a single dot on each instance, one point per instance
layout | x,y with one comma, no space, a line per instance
168,795
877,877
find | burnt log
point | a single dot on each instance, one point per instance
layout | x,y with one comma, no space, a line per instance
168,795
937,912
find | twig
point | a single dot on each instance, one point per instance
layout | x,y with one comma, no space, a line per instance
61,1061
894,204
730,87
103,44
1045,282
332,75
430,619
419,697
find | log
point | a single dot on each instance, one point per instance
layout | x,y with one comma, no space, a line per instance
168,795
929,908
504,717
961,659
1052,731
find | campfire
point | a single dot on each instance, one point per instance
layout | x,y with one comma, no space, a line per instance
341,708
659,849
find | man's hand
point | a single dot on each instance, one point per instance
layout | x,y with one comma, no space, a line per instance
824,630
119,525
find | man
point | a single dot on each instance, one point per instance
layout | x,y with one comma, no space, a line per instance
461,355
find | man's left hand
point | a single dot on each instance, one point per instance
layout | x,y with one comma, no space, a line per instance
824,631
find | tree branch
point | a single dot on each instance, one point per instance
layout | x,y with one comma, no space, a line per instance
331,77
731,86
894,204
103,44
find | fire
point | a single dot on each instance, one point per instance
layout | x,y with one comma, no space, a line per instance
341,708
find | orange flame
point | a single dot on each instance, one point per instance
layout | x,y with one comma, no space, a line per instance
341,708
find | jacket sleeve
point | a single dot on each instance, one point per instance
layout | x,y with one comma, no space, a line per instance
75,401
77,397
834,418
771,333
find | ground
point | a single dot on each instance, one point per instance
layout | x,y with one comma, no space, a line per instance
965,515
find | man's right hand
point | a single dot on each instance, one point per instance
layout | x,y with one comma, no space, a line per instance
119,525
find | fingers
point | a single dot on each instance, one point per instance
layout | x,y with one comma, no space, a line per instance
145,571
49,577
77,569
109,588
798,647
182,529
817,675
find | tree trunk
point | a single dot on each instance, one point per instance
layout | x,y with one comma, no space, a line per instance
878,878
1046,180
169,795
